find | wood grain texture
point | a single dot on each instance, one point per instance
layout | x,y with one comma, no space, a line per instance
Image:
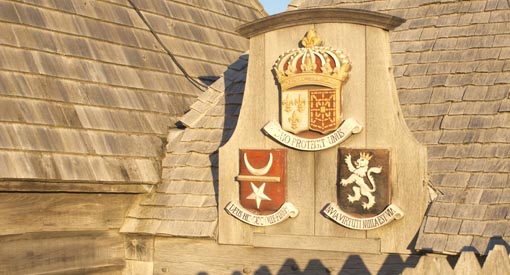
370,97
90,79
139,247
354,97
467,264
75,168
452,89
246,136
386,129
319,15
73,187
138,268
61,252
350,245
430,265
39,212
185,256
300,173
497,262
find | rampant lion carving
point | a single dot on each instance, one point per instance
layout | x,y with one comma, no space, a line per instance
359,172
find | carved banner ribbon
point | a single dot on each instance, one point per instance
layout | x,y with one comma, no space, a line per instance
288,210
392,212
349,126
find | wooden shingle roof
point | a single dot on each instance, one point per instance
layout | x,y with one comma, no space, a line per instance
185,203
452,69
87,92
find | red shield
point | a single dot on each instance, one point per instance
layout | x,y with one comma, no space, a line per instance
323,111
262,177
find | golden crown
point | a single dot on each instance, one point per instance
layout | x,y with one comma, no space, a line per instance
366,156
312,64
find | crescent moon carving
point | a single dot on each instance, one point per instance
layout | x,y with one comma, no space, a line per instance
261,171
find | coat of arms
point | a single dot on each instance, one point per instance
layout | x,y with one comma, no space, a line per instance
262,191
311,80
364,189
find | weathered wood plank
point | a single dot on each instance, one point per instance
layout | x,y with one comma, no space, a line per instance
61,252
351,245
232,230
46,113
354,96
497,262
370,97
386,129
74,46
201,51
36,212
78,141
75,187
430,265
185,256
75,168
467,264
98,10
138,268
21,61
93,29
63,90
300,173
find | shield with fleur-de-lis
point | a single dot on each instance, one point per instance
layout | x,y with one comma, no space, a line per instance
262,180
316,110
311,80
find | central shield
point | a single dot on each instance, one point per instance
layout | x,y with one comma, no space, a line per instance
311,80
317,110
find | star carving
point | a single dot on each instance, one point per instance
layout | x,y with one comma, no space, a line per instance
258,194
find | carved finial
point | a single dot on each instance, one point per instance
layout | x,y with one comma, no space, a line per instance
311,39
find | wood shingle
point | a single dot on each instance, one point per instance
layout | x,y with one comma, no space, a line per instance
187,195
450,65
87,90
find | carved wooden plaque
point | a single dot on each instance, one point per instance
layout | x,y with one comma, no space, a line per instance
262,180
364,186
363,190
311,80
262,188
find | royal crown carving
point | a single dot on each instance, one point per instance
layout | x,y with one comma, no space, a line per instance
312,64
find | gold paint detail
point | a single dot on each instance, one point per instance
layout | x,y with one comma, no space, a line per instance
311,39
295,109
319,65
